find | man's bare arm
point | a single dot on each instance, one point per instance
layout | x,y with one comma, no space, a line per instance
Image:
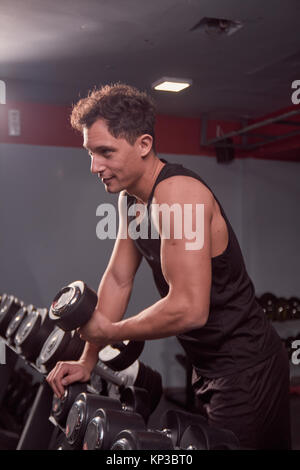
116,284
113,297
188,273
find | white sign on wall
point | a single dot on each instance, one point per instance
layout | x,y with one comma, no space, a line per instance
2,92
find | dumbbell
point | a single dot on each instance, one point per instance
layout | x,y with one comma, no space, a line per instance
137,374
294,304
106,424
58,441
62,406
282,308
73,306
9,306
82,411
199,437
175,422
86,404
268,302
32,333
59,346
16,321
137,399
3,298
142,440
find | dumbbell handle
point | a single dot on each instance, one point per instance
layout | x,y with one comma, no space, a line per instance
107,374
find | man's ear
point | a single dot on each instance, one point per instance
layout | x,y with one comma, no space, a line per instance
145,142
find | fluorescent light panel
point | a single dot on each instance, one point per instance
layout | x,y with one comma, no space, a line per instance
171,84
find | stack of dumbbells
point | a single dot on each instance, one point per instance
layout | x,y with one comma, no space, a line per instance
112,410
281,310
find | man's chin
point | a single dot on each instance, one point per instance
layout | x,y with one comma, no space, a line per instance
112,189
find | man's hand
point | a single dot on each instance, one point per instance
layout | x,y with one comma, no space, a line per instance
98,330
65,373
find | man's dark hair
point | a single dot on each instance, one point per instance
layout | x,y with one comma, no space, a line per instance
127,111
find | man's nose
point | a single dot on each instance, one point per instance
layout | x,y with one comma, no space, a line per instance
97,165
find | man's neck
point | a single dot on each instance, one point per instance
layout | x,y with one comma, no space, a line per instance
144,186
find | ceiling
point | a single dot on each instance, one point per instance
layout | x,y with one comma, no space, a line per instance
56,50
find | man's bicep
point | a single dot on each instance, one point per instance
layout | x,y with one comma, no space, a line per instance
186,265
124,261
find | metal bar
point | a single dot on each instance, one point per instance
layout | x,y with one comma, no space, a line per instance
253,126
108,374
289,123
6,371
275,139
262,136
38,430
225,145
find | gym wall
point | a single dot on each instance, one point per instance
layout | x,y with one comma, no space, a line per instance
48,202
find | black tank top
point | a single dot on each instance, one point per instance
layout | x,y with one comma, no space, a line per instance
237,334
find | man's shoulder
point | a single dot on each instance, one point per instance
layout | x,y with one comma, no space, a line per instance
182,189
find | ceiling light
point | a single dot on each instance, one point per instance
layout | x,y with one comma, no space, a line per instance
171,84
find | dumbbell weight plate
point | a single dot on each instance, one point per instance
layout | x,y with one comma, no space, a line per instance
193,438
58,441
59,346
106,424
32,333
137,400
73,306
294,304
151,381
16,321
282,309
8,309
120,356
268,302
142,440
82,411
175,423
206,437
3,299
61,406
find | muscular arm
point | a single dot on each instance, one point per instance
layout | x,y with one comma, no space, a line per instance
113,297
116,284
188,273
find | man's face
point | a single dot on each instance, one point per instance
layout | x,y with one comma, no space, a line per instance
117,163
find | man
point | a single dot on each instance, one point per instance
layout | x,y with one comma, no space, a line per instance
241,371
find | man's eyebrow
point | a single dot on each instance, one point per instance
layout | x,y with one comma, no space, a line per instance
101,148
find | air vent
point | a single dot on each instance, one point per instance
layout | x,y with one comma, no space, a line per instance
217,26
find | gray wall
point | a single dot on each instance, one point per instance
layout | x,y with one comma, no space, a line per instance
48,201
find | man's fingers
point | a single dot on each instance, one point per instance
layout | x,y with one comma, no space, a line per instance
69,379
55,378
63,375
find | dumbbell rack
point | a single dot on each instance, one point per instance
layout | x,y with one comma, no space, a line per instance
38,429
37,419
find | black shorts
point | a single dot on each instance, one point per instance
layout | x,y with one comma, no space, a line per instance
254,403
